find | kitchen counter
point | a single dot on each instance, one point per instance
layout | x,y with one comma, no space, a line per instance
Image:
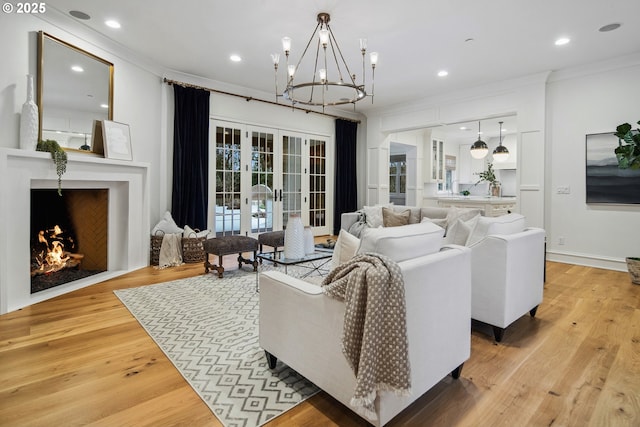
492,206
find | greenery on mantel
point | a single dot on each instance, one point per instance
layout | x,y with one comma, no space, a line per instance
59,157
489,175
628,155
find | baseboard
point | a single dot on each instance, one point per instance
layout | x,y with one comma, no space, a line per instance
606,263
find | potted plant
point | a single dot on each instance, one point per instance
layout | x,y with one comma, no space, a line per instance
59,157
628,155
490,176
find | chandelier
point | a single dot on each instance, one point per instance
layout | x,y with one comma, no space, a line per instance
332,82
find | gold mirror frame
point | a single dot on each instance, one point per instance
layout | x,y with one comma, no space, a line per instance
75,97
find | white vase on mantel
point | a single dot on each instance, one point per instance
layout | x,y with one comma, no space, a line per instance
29,119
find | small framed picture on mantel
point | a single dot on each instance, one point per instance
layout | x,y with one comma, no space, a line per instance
117,140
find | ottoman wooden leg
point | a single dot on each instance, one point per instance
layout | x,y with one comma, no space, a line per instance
219,268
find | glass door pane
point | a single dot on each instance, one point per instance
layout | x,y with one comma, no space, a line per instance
262,184
317,182
291,176
227,181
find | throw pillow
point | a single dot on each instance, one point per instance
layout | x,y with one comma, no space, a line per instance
459,232
345,248
505,224
402,243
440,222
191,233
393,219
373,216
166,225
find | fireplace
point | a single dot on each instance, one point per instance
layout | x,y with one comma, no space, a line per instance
126,242
68,237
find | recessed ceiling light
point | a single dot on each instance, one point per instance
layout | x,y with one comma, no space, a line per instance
79,15
104,106
77,68
562,41
235,58
443,73
112,23
463,128
609,27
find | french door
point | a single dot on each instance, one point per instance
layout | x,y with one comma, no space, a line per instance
262,175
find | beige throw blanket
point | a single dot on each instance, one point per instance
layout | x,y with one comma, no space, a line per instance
170,251
374,338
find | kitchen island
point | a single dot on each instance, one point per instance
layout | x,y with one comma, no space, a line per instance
492,206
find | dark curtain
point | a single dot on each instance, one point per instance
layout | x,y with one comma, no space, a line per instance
345,199
190,157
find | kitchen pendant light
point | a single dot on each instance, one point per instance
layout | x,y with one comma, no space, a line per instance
479,149
500,154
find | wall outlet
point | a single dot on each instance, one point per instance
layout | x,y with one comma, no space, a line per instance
563,189
561,240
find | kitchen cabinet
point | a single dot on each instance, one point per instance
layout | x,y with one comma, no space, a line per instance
468,167
435,161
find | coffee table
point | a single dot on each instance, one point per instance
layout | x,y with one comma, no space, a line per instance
313,262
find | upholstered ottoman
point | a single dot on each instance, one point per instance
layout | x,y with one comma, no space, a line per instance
275,239
227,245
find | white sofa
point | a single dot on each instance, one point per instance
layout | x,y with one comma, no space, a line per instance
302,327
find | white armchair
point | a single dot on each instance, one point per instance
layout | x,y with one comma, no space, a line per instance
302,327
507,273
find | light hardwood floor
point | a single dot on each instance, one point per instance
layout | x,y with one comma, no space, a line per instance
82,359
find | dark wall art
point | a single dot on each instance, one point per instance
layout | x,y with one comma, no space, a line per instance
606,183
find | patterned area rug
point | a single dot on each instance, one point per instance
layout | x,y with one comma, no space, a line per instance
208,327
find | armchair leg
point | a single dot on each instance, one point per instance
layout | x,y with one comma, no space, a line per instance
271,359
456,372
498,333
533,311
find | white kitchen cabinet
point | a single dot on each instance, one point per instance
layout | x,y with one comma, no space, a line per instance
435,161
468,167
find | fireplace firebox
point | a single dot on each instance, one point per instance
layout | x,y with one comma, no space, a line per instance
68,235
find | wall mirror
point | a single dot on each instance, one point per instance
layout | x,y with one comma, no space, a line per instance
75,88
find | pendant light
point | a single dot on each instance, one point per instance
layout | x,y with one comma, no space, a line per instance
500,154
479,149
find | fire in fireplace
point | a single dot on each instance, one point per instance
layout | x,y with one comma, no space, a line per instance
68,236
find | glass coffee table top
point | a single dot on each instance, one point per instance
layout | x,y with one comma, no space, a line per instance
279,258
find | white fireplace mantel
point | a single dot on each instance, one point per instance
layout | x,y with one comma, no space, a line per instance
128,241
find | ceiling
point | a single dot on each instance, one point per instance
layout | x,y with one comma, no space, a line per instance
477,42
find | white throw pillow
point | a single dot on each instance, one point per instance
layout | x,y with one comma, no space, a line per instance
402,243
440,222
504,224
345,248
373,215
191,233
166,225
459,232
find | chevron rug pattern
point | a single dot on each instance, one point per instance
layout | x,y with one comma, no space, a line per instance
208,328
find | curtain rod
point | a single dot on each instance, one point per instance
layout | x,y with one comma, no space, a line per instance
250,98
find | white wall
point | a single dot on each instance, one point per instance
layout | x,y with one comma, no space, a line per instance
141,99
580,102
523,97
137,93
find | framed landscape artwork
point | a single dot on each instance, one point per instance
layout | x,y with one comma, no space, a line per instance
605,182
